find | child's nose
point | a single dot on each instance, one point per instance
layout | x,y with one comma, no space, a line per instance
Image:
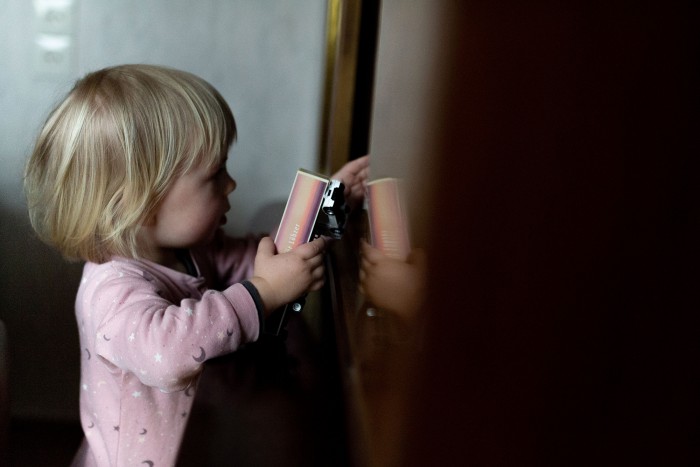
230,184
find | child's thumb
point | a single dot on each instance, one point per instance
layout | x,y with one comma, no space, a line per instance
266,247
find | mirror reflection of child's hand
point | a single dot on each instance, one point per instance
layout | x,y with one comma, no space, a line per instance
281,278
354,176
392,284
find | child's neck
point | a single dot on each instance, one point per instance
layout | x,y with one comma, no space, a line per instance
185,260
175,259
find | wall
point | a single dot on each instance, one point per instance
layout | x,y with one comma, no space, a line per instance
266,58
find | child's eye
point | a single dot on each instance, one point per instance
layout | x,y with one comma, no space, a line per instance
219,170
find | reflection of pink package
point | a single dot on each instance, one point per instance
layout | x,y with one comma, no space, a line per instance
388,224
302,208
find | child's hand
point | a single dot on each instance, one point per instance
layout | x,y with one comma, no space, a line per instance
391,284
354,176
281,278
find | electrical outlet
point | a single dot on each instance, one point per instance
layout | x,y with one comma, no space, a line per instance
53,54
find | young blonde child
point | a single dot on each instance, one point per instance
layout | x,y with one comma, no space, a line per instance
129,175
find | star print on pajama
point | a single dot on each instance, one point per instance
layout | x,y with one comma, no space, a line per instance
146,331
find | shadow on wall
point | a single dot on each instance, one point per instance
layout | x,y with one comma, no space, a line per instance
38,289
267,218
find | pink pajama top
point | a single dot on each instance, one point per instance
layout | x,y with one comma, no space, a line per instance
145,332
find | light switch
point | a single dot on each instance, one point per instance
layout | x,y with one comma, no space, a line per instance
54,16
53,54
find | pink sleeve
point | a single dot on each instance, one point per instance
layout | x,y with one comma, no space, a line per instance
164,343
228,259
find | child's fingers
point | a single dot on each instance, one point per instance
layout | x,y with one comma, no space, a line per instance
311,249
370,254
355,165
315,261
316,285
266,247
317,277
359,164
364,245
318,273
357,191
363,173
350,171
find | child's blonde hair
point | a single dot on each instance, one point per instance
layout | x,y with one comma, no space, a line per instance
111,149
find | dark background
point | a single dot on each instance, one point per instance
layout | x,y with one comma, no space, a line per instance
563,258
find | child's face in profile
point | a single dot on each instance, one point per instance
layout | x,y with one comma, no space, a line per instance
194,208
